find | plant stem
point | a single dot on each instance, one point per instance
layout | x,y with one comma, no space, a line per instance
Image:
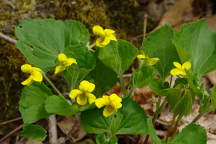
52,85
155,116
158,111
174,128
197,117
122,84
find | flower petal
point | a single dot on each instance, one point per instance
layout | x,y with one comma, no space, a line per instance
59,69
86,86
100,102
115,98
26,68
91,98
177,65
98,30
115,101
141,56
108,111
175,72
70,61
62,57
28,81
186,65
109,32
81,99
182,73
112,37
99,42
37,76
74,93
152,61
106,41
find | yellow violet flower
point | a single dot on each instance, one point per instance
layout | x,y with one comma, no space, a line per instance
112,103
35,74
64,63
104,35
149,61
179,69
83,95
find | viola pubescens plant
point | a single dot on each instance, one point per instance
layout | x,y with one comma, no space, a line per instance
63,47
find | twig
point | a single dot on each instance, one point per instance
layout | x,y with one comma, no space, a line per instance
197,117
10,121
7,38
145,24
11,133
53,138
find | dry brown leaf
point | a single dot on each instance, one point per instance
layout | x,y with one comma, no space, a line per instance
70,126
180,11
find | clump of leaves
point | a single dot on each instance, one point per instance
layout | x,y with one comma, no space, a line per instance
98,68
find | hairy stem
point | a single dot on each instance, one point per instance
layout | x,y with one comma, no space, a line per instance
52,85
156,114
122,84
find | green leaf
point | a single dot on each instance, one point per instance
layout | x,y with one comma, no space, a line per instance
180,81
196,42
59,105
159,44
34,132
157,85
103,139
142,77
103,77
75,33
205,101
180,100
191,134
31,104
130,119
118,55
86,63
152,132
41,41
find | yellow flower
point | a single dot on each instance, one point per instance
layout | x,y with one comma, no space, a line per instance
112,103
104,35
64,63
180,69
84,93
35,74
149,61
